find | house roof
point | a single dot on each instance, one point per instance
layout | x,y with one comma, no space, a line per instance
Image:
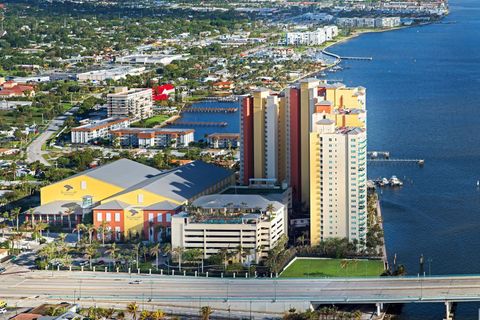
113,205
183,183
123,173
246,201
163,205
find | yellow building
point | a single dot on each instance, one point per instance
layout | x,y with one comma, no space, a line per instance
126,194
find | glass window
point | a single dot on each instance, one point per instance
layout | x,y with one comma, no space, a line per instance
117,216
109,216
99,216
169,217
150,217
159,217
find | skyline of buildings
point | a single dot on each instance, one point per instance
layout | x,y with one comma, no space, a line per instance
278,138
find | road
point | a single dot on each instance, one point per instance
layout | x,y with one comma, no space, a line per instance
260,295
34,150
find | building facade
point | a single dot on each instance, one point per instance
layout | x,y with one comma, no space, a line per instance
249,225
152,137
135,104
97,130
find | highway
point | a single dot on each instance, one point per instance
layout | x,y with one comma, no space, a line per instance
267,295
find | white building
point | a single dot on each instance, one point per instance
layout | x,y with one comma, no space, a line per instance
153,137
338,169
153,59
134,103
117,73
98,130
312,38
230,221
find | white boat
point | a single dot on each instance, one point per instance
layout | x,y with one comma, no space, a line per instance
385,182
394,181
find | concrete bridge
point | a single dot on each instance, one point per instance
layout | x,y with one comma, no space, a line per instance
270,295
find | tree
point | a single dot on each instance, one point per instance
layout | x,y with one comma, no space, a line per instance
103,229
79,228
90,228
90,253
132,308
15,213
158,315
155,251
178,251
144,315
120,315
68,214
205,312
225,254
113,252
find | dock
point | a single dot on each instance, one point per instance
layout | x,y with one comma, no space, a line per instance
199,123
357,58
210,109
420,162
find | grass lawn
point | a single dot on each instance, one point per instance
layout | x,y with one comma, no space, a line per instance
151,122
314,268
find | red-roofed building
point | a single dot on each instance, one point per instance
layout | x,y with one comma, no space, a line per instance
223,85
13,89
163,92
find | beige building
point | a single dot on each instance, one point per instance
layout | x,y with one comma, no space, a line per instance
134,103
253,223
338,182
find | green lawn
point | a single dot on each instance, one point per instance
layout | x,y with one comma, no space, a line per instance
151,122
315,268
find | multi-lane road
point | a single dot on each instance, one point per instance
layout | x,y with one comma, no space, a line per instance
262,295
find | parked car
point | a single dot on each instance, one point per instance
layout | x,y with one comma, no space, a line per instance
3,310
2,270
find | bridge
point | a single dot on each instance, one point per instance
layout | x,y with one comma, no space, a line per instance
268,295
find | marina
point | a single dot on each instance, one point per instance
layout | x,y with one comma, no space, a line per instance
210,109
199,123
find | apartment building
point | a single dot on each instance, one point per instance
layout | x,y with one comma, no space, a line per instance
152,137
250,222
312,38
134,103
97,130
338,181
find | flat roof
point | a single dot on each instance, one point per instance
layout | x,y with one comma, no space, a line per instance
243,201
100,124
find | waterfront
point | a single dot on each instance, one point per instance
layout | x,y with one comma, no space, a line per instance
423,98
231,118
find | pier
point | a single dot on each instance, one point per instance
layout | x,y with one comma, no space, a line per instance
231,98
210,109
420,162
199,123
357,58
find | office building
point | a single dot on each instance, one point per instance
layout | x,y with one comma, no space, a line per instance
152,137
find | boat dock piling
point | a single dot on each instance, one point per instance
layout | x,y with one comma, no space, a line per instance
420,162
210,109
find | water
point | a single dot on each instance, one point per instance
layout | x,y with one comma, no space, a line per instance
423,101
201,132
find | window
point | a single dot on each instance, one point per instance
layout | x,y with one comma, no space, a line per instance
159,217
99,216
117,216
169,217
140,198
108,217
150,217
83,185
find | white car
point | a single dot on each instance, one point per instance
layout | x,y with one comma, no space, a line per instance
3,310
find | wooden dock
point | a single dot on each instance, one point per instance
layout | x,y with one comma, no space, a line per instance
199,123
210,109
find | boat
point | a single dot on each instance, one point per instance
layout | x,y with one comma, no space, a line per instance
394,182
384,182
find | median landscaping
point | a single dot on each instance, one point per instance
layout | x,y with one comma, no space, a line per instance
321,268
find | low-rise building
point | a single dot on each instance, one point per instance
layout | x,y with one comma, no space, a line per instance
98,129
152,137
223,140
11,88
248,224
312,38
116,73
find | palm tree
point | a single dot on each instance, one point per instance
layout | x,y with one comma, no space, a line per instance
178,251
144,315
239,252
109,313
158,315
205,312
38,229
154,251
15,213
270,207
80,227
144,251
137,251
68,214
90,228
102,229
225,254
112,252
90,253
3,226
132,308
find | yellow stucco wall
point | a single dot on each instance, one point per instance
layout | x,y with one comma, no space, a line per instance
133,222
314,186
74,189
132,198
